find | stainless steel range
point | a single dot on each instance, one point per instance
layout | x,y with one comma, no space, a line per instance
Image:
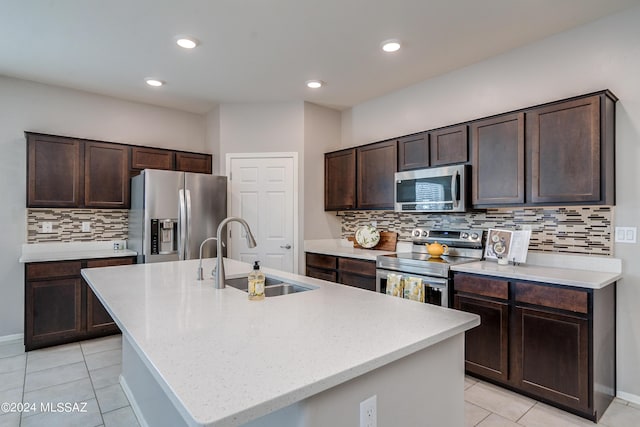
464,246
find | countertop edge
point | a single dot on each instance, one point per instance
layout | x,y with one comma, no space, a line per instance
24,259
503,271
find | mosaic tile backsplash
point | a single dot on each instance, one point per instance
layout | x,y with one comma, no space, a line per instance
576,230
106,224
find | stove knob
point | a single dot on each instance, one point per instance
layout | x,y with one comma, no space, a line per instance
416,233
474,236
425,234
464,235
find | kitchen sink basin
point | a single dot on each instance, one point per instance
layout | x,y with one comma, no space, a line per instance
272,287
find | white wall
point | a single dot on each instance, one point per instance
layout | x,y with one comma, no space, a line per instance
47,109
601,55
321,134
268,127
304,128
212,134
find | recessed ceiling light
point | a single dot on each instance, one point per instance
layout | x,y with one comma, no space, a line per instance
187,42
392,45
314,84
154,82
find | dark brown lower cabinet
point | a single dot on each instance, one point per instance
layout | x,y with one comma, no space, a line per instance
487,345
347,271
553,343
59,305
54,311
553,354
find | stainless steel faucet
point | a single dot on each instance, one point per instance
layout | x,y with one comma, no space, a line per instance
200,275
251,242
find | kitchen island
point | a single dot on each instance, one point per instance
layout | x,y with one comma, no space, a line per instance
199,356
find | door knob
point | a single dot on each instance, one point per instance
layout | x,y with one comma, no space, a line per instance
287,246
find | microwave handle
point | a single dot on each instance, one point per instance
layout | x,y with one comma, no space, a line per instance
454,189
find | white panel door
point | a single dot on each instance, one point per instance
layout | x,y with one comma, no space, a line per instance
262,193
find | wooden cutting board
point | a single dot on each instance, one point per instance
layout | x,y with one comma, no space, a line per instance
388,241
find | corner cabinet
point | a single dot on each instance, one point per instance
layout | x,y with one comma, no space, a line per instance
59,305
553,343
360,178
347,271
340,180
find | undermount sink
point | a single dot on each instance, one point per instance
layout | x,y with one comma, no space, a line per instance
272,287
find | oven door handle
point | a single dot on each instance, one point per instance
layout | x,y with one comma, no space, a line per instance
427,280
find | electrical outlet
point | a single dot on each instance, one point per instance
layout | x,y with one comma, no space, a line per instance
86,227
47,227
626,234
369,412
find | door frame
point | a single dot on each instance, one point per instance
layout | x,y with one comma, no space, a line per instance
289,155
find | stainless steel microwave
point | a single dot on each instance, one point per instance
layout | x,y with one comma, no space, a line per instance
440,189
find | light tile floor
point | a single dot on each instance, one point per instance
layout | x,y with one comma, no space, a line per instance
89,372
85,374
487,405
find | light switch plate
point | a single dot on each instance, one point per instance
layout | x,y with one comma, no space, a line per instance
47,227
626,234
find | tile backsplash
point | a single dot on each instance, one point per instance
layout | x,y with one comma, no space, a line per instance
577,230
106,224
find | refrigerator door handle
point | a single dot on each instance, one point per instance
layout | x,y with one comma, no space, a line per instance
182,225
188,224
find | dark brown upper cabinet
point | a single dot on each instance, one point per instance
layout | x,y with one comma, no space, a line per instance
571,151
449,145
413,152
376,166
152,158
64,172
54,177
340,180
106,177
498,149
193,162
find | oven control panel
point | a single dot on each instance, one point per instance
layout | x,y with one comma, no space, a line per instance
423,235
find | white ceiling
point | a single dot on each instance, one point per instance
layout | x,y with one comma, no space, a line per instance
264,50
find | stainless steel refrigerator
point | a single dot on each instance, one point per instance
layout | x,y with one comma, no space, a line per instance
173,212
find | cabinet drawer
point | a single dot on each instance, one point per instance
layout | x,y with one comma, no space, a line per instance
109,262
481,286
358,281
319,273
365,268
322,261
548,296
50,270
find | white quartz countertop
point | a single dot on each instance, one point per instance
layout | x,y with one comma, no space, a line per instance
560,276
42,252
224,360
344,248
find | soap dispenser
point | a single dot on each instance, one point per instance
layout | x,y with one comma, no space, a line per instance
256,283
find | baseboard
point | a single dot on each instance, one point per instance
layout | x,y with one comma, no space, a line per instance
133,403
13,337
633,398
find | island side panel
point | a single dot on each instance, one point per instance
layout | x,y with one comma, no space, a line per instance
425,388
